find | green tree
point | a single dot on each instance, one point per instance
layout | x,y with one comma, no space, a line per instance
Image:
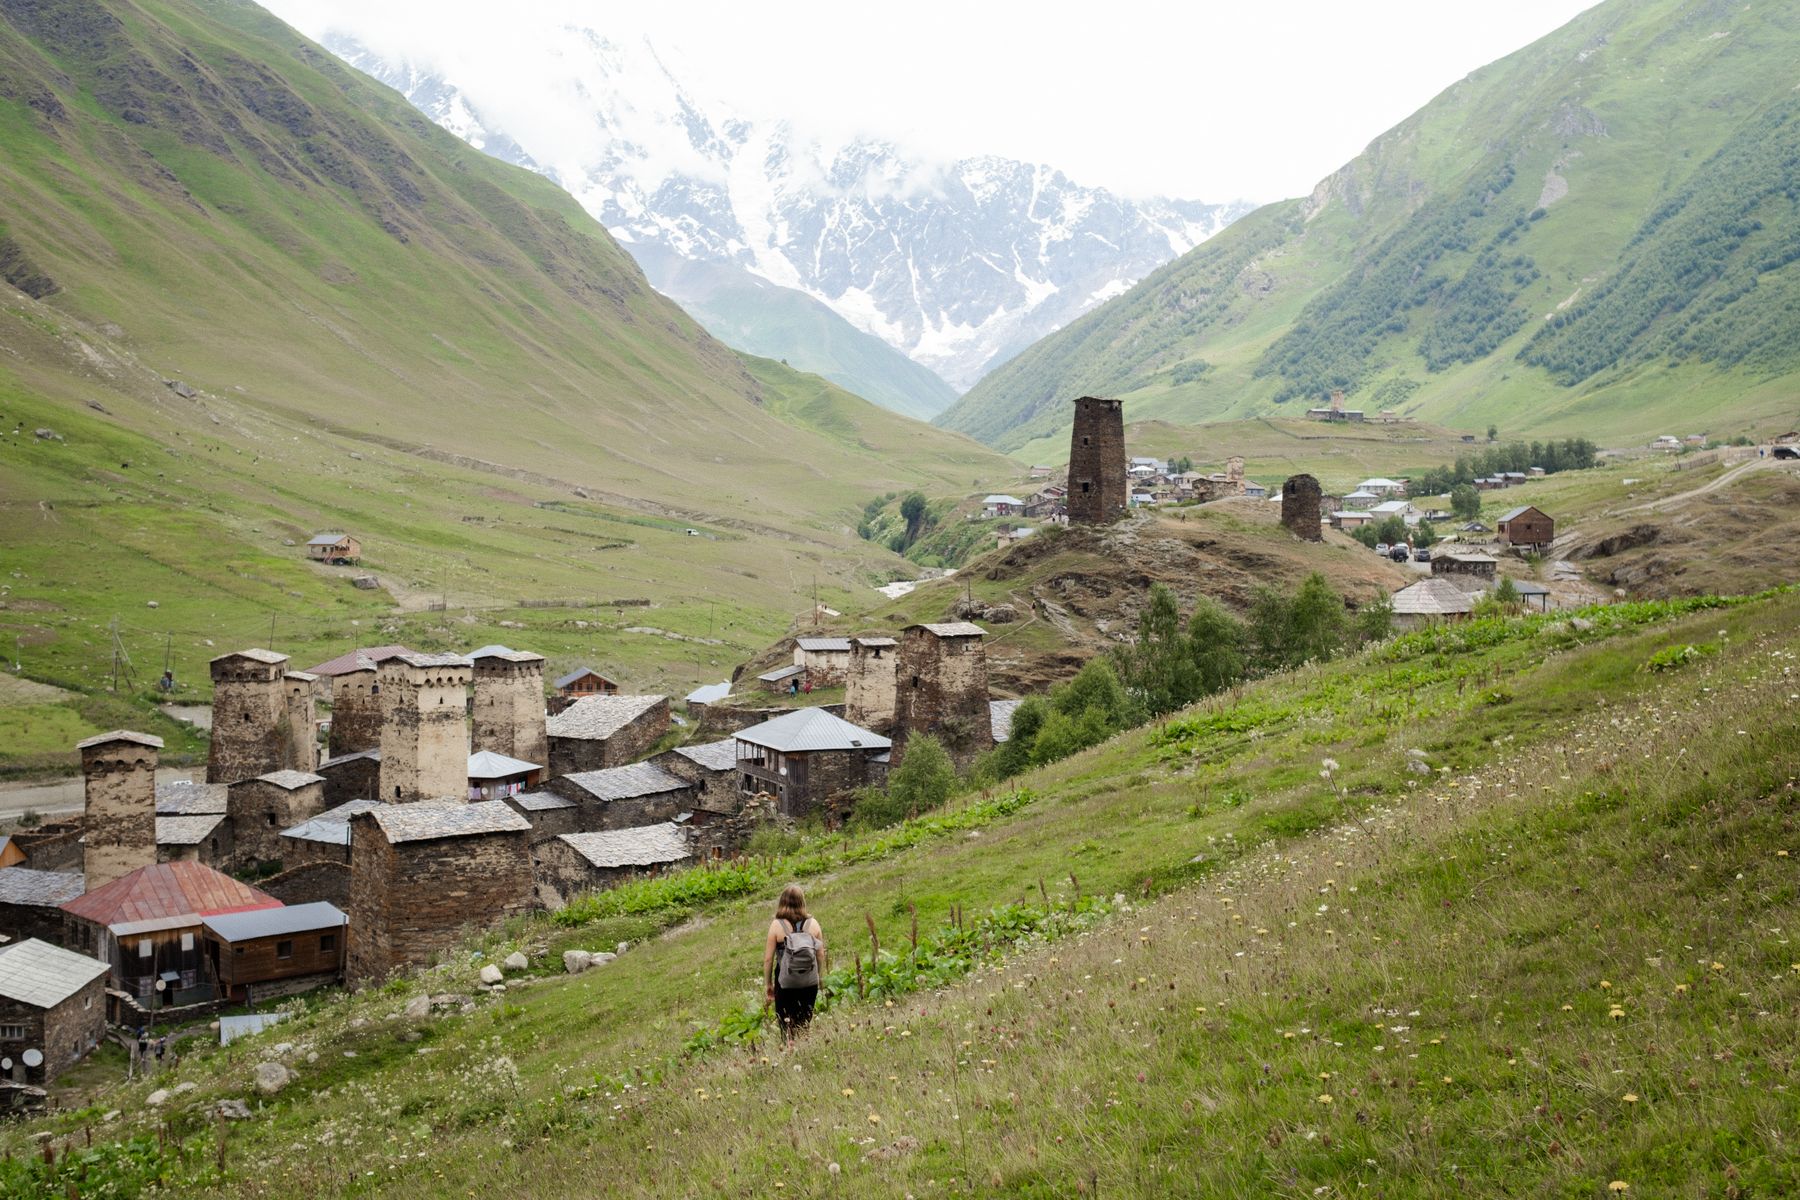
1493,433
1391,530
913,510
1375,619
925,777
1216,643
1424,536
1096,688
1319,625
1465,502
1157,669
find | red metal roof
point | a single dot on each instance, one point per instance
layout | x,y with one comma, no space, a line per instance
167,890
343,664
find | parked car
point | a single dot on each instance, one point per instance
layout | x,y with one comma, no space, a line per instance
1382,547
1399,554
1421,555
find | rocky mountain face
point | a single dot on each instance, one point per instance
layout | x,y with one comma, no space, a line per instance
958,265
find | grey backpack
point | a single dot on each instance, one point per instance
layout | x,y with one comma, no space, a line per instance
799,959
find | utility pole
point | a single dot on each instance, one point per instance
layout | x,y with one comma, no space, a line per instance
271,629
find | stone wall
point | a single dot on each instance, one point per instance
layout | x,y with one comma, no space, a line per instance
310,882
250,730
260,809
356,778
869,690
1300,507
425,737
413,901
714,791
355,713
65,1032
20,922
560,873
943,691
300,741
508,715
1097,478
120,814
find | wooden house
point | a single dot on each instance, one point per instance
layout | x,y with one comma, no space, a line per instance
1527,526
494,776
52,1009
585,681
276,951
334,548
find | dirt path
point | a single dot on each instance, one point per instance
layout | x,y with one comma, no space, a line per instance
1729,477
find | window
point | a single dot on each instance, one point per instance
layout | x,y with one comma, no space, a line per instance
12,1033
146,949
327,942
1087,441
271,817
284,949
187,942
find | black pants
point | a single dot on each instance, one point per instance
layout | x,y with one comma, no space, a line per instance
794,1006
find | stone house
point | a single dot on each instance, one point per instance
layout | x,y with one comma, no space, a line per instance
31,902
549,813
1470,566
584,862
1527,526
119,804
623,797
421,874
334,547
424,728
999,505
826,660
495,776
202,838
808,759
310,883
354,776
943,689
262,807
324,837
874,675
710,770
52,1009
276,951
1349,519
606,731
787,678
146,927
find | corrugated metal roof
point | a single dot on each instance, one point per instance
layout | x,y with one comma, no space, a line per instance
256,655
289,781
709,694
121,735
42,975
425,822
357,660
167,890
45,889
714,756
491,764
276,922
332,826
954,629
809,729
186,831
627,782
1000,718
780,673
599,717
189,798
824,643
644,846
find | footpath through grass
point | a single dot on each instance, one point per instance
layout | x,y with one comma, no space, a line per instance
1317,933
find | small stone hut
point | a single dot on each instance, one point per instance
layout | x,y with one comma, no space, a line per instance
52,1009
581,862
606,731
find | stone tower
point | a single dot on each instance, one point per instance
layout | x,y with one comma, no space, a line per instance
300,745
509,705
1097,478
869,688
1300,507
425,730
942,690
119,817
355,711
250,730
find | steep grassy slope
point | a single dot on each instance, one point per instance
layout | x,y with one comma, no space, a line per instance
1556,959
1596,234
372,326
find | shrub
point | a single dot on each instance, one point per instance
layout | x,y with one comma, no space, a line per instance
924,780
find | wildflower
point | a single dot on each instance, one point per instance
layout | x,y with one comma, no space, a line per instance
1447,1079
1629,1098
1568,1008
874,1118
1324,1098
1606,984
1618,1185
1718,966
1682,987
849,1091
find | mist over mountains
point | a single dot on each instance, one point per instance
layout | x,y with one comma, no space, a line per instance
958,266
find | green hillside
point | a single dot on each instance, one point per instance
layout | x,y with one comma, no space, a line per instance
1596,234
260,296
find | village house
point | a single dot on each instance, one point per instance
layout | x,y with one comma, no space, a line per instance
1431,600
31,902
422,874
826,660
1395,508
261,808
146,926
1046,502
1475,567
787,679
581,862
203,838
494,776
606,731
1255,491
622,797
355,776
1001,506
1346,519
1381,486
1361,498
583,682
549,813
52,1009
807,759
710,770
339,548
323,838
276,951
1526,526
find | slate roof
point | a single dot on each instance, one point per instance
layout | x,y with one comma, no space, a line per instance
289,781
491,764
186,831
425,822
627,782
809,729
357,660
163,891
824,643
42,975
713,756
1471,558
955,629
261,656
275,922
1000,718
505,652
340,760
189,798
539,801
1432,598
121,735
43,889
874,643
644,846
599,717
415,659
332,826
577,673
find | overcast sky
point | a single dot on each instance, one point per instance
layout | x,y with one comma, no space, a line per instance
1252,99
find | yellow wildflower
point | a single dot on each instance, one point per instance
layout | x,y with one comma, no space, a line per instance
1618,1185
1629,1097
874,1118
1324,1098
849,1091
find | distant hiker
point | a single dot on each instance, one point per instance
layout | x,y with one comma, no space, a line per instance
807,687
793,961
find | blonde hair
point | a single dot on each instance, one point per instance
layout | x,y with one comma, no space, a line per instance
792,905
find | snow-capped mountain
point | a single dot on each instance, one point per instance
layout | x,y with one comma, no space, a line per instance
957,265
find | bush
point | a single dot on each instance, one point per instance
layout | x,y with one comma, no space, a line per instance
925,778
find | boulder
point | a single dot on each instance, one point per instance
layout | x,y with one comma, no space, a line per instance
232,1110
271,1077
180,389
623,947
158,1098
185,1087
516,961
418,1008
602,957
577,961
492,974
1580,624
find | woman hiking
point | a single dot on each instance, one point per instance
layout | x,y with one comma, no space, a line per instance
793,961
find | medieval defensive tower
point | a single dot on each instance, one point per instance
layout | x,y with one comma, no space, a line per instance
509,705
355,711
942,690
1300,507
425,731
250,730
119,771
1097,478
